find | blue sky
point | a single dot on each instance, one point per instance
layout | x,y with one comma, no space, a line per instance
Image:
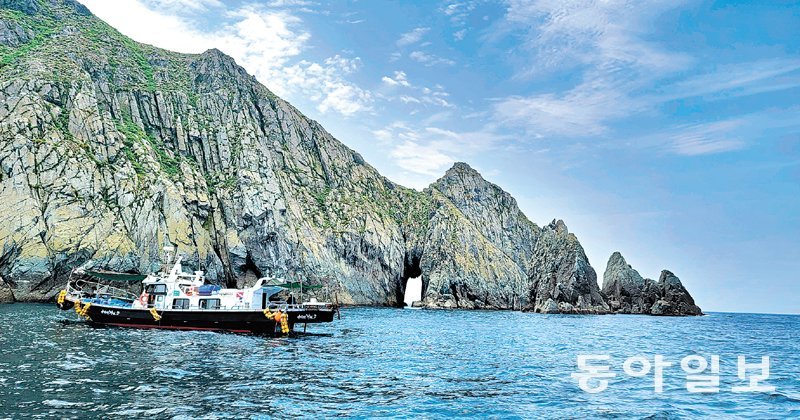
666,130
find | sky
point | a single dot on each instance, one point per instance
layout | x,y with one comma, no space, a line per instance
666,130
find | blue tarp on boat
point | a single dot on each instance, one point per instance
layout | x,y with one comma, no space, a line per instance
208,289
107,302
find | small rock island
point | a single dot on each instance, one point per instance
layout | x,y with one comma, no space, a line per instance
628,293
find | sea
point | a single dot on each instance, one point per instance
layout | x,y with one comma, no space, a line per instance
384,362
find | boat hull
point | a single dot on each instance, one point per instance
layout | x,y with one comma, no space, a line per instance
254,322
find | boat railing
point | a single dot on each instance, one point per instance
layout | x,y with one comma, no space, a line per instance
81,288
272,306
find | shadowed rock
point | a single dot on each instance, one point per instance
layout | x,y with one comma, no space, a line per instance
628,293
561,279
478,245
675,299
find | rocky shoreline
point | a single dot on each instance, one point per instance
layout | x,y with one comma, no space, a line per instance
111,149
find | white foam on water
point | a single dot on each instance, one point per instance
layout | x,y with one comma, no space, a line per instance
59,403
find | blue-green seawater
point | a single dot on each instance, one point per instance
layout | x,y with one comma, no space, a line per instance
388,362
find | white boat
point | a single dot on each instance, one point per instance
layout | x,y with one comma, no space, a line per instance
174,299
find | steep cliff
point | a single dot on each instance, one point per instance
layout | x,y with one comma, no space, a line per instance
627,292
112,149
478,246
561,278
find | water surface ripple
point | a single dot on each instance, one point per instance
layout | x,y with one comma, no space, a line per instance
387,362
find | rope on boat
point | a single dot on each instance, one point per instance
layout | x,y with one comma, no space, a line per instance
155,314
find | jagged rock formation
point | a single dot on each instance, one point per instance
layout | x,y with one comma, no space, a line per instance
561,278
675,299
111,149
627,292
476,233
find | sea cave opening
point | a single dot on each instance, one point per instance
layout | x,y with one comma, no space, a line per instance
249,273
413,290
411,284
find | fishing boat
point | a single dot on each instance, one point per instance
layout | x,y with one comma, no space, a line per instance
174,299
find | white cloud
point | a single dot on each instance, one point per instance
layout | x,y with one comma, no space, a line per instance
324,86
266,42
177,5
289,3
580,112
427,159
383,135
707,138
605,41
429,59
460,34
620,73
412,37
724,135
458,11
427,152
740,79
399,79
409,100
420,95
346,65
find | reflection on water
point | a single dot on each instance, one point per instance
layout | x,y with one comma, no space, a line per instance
386,362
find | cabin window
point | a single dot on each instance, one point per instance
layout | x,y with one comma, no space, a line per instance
180,304
209,303
156,289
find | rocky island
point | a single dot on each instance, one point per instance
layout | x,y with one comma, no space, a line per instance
111,149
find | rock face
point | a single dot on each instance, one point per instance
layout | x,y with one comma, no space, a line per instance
561,279
478,245
627,292
675,299
112,149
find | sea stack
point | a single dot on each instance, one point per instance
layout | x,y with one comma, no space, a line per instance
628,293
561,279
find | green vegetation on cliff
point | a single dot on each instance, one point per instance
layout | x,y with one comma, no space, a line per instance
117,148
